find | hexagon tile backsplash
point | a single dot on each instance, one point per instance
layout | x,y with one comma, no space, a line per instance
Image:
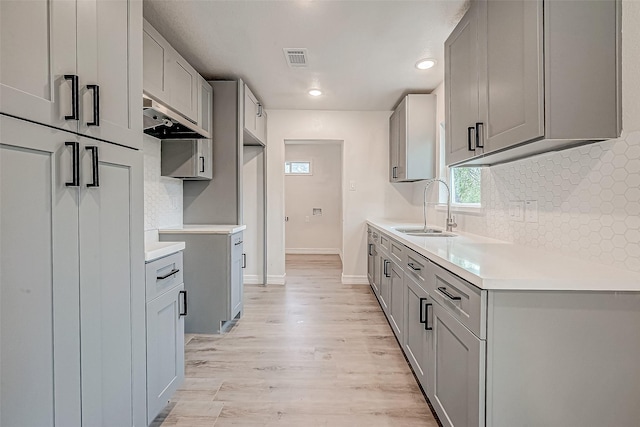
162,196
588,202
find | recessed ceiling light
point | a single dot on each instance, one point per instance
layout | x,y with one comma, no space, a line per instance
315,92
425,64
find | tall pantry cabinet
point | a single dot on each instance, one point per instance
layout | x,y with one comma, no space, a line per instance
72,314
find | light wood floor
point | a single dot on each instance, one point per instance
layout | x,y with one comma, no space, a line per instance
311,353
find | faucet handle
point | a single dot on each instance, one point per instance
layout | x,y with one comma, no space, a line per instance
451,223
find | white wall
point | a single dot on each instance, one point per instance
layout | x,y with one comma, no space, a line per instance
588,197
162,196
252,208
366,156
322,189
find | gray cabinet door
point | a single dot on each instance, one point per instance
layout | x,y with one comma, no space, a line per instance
237,261
205,105
155,56
165,349
396,305
110,56
393,147
462,56
458,372
514,73
417,343
401,165
37,49
112,297
250,111
183,81
187,159
384,283
39,284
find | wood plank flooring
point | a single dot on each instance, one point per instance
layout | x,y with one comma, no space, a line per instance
311,353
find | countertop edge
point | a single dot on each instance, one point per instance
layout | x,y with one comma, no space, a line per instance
205,229
168,248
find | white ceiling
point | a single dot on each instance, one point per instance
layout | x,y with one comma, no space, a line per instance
361,53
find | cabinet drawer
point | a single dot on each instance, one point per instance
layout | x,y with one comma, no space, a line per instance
416,267
467,303
396,251
385,243
163,274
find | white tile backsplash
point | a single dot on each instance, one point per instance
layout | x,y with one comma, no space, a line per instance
588,202
162,196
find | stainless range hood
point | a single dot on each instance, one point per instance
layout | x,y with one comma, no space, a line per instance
161,122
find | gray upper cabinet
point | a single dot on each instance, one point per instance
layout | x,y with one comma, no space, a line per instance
461,85
205,105
255,122
76,66
514,83
412,139
167,76
187,159
109,69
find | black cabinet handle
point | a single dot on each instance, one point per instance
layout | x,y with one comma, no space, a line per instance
426,320
470,139
370,247
479,135
237,243
449,294
259,109
74,96
422,318
413,267
75,168
184,303
386,269
394,172
94,166
201,164
96,105
244,260
171,273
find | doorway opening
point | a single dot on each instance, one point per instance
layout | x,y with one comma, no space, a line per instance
313,202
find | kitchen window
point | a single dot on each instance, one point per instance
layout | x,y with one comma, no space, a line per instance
297,168
466,186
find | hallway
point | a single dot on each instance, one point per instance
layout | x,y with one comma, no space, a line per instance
311,353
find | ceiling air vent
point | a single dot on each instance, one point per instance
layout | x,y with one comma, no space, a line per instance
296,57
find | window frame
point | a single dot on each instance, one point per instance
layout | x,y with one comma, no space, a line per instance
298,173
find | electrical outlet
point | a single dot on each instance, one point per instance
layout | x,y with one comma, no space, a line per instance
516,210
531,210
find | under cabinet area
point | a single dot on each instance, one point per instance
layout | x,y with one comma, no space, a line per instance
412,139
187,159
516,84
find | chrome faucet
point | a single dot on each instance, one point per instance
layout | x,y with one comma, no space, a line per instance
450,222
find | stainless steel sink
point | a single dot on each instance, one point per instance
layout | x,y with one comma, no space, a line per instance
421,232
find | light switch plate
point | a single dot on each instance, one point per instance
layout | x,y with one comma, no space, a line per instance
516,210
531,210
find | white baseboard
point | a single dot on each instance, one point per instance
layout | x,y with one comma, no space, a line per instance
252,279
314,251
354,280
276,279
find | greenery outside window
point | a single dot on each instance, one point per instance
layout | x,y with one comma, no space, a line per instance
466,186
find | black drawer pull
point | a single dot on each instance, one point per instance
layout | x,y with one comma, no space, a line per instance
184,303
370,247
471,140
201,164
449,294
75,167
426,320
386,268
171,273
237,243
422,319
96,105
74,97
244,260
413,267
95,165
479,135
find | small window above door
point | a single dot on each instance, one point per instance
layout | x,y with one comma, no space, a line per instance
297,168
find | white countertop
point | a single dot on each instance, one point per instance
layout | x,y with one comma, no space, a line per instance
494,264
203,229
155,250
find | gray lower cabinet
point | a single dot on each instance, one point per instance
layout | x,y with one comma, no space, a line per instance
458,361
213,279
396,305
417,343
80,359
187,159
384,284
